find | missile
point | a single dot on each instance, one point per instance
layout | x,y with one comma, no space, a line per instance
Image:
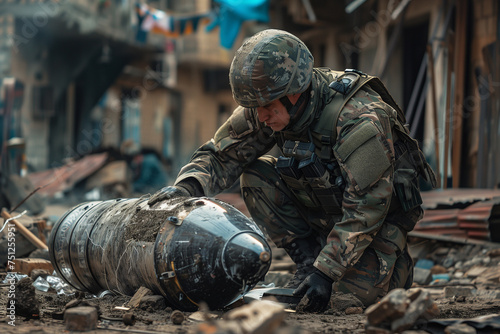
188,249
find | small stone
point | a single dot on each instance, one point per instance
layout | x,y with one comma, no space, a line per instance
154,302
392,306
460,329
438,269
81,318
353,310
457,291
422,276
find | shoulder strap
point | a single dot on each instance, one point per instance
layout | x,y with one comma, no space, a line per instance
345,86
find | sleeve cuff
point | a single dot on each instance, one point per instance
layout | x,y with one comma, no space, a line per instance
330,268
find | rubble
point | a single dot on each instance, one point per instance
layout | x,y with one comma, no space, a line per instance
462,280
81,318
400,309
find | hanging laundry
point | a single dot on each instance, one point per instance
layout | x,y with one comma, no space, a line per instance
159,22
233,13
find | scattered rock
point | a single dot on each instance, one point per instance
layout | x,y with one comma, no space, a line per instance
340,302
354,310
25,299
422,276
81,318
458,291
35,273
399,310
154,302
460,329
391,307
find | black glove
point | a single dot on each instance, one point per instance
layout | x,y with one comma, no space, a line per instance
316,290
168,193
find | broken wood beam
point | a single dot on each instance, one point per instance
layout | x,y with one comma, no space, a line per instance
24,231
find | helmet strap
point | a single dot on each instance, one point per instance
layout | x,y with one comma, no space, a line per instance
292,108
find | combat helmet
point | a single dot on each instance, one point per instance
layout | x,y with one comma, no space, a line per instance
269,65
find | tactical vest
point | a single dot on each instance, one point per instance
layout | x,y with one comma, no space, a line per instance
311,171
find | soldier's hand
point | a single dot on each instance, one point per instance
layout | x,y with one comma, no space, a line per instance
316,290
168,193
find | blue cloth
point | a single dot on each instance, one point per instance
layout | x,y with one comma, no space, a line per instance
233,13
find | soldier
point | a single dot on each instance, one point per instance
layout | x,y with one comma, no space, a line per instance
344,193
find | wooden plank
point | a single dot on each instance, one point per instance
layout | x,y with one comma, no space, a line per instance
24,231
432,75
450,47
459,69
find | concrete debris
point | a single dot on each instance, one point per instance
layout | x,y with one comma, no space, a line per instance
81,318
400,309
458,291
258,317
152,302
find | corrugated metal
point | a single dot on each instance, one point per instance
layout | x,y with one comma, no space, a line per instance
464,213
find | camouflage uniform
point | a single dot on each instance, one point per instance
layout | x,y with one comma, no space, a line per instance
363,245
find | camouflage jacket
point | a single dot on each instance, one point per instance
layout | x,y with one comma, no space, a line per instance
217,164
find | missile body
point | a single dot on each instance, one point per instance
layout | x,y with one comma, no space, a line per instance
187,249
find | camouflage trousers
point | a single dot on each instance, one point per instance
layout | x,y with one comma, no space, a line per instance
282,218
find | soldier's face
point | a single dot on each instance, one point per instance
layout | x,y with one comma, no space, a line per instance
274,115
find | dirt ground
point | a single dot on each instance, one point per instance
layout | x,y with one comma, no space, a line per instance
474,265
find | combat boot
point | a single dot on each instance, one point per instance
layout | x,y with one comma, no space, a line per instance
303,251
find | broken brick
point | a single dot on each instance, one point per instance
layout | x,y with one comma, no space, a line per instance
26,266
415,310
81,318
392,306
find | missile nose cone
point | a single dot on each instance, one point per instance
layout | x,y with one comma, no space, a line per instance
246,258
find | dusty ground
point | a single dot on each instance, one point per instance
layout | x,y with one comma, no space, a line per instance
149,318
460,261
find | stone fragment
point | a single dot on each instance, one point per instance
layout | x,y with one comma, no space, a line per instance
81,318
422,276
35,273
460,329
260,316
25,302
458,291
392,306
415,310
354,310
438,269
153,302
